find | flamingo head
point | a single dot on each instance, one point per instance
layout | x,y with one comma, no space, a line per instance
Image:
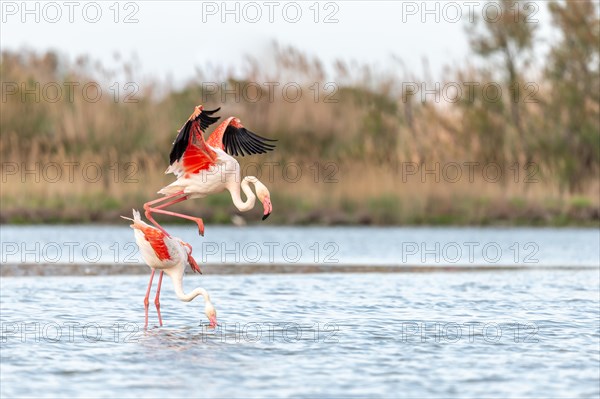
211,314
265,198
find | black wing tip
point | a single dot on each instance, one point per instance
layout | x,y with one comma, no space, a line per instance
207,112
205,119
239,139
181,141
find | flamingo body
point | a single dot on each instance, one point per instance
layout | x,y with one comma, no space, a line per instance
221,174
170,255
204,167
155,255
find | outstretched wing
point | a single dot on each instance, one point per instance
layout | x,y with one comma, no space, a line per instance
237,140
196,124
190,154
232,137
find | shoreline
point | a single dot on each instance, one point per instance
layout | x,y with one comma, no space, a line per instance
508,223
75,269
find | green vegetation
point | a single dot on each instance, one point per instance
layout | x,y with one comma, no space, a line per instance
520,147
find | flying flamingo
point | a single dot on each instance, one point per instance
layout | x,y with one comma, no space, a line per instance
204,167
169,255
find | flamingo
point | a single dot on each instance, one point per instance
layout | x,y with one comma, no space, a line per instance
203,167
170,255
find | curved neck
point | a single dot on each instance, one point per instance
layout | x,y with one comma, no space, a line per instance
243,206
178,284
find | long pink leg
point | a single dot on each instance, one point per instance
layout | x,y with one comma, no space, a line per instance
148,207
146,301
161,206
198,221
161,199
173,202
156,300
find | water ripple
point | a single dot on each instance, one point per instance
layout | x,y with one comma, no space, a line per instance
351,335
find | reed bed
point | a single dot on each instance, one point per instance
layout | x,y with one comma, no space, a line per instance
363,150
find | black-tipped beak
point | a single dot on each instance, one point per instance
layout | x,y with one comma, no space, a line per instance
268,208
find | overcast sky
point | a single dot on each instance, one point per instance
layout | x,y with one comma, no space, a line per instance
171,38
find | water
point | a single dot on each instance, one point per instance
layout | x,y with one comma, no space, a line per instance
376,336
309,245
526,333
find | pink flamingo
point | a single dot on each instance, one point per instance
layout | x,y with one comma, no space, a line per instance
206,167
169,255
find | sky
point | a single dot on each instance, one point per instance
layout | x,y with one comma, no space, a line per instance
171,38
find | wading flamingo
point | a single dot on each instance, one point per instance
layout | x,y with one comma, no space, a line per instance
204,167
169,255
